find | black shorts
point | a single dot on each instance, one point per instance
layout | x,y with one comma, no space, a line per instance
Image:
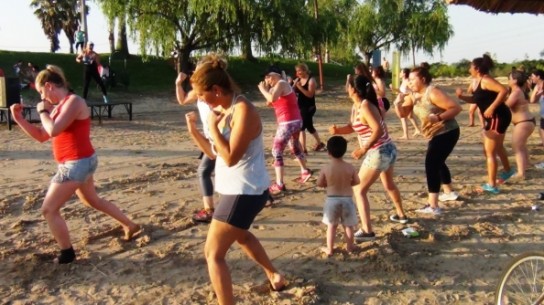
498,123
541,123
239,210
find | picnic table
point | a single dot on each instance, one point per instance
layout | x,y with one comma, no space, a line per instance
101,109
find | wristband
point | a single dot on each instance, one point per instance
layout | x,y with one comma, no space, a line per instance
43,111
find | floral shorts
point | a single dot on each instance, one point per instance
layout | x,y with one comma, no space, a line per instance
381,158
77,170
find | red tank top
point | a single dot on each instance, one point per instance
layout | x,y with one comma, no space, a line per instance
286,108
74,142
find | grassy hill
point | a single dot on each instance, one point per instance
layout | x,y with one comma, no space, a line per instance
156,75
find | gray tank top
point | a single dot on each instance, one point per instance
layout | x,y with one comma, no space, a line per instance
424,107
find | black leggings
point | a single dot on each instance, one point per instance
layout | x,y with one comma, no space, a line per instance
91,71
307,115
438,150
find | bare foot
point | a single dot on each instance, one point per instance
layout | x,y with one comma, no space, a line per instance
351,248
277,282
132,232
416,133
471,125
326,251
405,137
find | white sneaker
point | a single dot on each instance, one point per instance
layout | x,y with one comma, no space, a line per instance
540,165
451,196
427,209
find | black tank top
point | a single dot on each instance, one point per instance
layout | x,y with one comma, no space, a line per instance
484,98
304,101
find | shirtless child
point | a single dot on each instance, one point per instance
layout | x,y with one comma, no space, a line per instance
338,177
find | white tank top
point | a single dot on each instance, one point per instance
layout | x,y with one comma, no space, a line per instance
247,177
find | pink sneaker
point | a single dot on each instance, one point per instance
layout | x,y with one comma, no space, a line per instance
275,188
304,177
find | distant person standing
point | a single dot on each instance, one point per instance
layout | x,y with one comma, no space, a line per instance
385,65
304,86
79,37
91,61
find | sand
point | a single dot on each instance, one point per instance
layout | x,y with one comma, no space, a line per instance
148,168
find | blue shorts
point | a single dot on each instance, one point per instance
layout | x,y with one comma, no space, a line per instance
77,170
381,158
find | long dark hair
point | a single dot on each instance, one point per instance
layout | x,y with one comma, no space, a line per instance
364,89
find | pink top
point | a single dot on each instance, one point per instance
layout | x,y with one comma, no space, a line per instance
364,131
286,108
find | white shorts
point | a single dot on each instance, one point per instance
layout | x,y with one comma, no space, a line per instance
340,210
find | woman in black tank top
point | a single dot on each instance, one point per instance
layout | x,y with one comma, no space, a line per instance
490,95
304,86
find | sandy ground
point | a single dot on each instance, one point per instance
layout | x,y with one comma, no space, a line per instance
148,168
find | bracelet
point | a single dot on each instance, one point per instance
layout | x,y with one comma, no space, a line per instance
43,111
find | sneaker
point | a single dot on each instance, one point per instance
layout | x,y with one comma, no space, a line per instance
105,99
203,216
396,218
275,188
490,189
305,176
427,209
320,147
361,236
451,196
506,175
540,165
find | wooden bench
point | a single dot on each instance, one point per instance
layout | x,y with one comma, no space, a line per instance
5,114
101,109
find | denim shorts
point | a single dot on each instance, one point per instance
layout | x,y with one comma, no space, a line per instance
381,158
77,170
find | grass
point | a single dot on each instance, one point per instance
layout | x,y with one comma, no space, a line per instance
157,75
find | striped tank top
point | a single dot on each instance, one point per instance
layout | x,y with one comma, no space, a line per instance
364,131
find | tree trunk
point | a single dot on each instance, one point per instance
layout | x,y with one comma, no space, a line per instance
184,60
368,57
414,56
247,52
122,43
71,40
111,36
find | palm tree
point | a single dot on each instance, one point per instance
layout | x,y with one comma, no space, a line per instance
46,12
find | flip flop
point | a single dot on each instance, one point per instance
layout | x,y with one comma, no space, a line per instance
132,234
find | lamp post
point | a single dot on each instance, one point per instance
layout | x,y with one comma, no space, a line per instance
318,50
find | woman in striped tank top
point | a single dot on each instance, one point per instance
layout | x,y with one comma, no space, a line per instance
377,147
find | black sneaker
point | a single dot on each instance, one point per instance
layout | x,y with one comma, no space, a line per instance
396,218
361,236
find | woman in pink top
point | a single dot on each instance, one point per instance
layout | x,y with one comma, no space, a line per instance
65,118
282,98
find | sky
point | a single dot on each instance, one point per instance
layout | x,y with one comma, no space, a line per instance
507,37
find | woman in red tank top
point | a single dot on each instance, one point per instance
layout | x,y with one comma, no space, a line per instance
65,119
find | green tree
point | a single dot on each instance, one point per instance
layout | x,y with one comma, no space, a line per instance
47,13
56,16
116,12
375,24
427,27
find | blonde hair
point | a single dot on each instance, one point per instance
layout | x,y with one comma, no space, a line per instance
211,70
303,67
51,74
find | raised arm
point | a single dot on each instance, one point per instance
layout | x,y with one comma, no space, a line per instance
32,131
